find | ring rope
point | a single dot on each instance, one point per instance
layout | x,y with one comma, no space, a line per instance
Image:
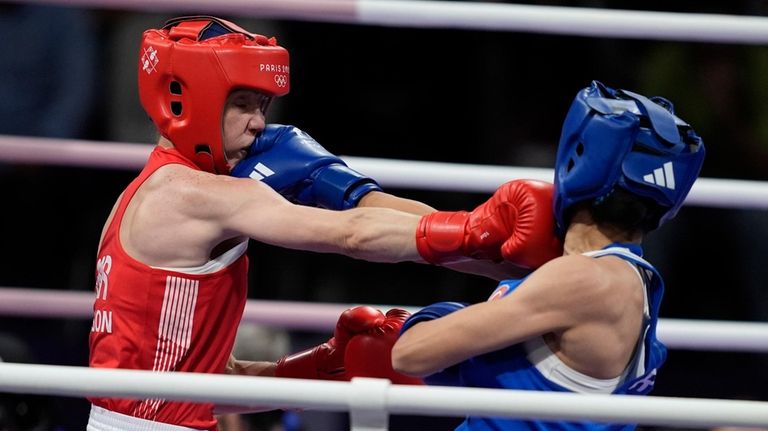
711,192
367,394
574,21
684,334
361,394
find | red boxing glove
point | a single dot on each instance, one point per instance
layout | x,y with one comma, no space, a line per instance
516,224
369,353
326,361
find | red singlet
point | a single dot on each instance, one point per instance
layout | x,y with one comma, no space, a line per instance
155,319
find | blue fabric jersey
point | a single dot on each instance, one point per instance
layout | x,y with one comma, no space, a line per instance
533,366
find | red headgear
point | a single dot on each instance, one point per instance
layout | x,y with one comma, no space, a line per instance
188,68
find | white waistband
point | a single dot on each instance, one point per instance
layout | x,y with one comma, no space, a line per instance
102,419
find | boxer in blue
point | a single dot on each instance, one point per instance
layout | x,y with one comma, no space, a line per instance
584,322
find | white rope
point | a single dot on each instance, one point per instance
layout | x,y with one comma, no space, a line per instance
394,399
567,21
70,152
711,192
676,333
592,22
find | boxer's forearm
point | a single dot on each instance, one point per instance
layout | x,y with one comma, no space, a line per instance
250,368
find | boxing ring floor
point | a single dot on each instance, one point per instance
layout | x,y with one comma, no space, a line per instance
371,401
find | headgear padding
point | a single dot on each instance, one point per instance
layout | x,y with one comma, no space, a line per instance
617,138
187,70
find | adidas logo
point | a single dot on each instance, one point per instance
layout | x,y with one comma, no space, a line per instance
260,171
663,176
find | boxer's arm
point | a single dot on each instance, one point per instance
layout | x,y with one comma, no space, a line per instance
220,208
560,295
237,207
246,368
377,199
450,376
250,368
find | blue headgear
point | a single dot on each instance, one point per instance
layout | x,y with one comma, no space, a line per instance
617,138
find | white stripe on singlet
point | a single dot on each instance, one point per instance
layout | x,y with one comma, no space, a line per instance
174,333
102,419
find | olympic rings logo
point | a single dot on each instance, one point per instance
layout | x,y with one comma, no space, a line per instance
281,80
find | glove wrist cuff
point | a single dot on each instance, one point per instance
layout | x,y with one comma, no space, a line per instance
297,365
440,236
315,363
338,187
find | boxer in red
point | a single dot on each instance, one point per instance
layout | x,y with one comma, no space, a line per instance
171,274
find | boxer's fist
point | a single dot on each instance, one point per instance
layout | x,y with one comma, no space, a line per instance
369,353
300,169
516,224
326,361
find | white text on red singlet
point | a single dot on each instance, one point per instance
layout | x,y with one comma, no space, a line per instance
102,319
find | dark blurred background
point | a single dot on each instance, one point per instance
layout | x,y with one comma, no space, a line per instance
483,97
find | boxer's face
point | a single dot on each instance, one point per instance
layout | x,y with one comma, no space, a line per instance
242,121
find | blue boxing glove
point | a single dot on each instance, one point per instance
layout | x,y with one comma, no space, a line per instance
296,166
450,376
